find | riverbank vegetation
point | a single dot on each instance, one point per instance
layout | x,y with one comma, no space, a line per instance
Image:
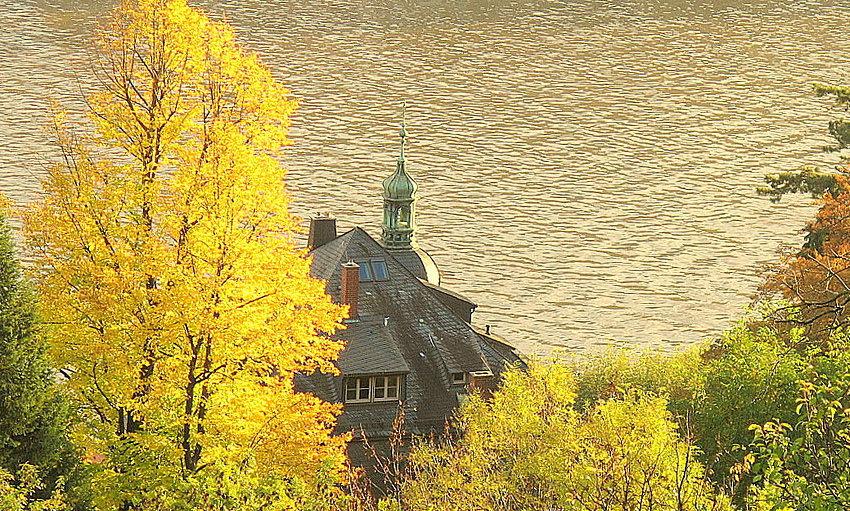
755,420
154,371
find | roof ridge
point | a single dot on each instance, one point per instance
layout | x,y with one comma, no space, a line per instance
341,239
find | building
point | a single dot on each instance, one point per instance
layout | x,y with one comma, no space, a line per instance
409,343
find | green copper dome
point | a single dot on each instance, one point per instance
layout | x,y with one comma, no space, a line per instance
400,185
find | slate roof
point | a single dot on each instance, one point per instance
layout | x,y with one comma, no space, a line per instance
421,338
419,263
370,350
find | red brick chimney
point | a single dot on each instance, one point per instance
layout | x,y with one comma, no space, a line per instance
350,293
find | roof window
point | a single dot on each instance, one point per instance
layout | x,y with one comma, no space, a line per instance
373,270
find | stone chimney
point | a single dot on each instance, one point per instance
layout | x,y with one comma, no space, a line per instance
322,230
350,293
483,382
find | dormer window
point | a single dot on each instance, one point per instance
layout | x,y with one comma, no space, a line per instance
458,378
386,388
373,270
369,389
358,390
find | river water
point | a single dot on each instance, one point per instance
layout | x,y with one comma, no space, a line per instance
587,168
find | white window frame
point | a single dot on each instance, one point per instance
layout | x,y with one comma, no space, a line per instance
358,387
386,387
390,381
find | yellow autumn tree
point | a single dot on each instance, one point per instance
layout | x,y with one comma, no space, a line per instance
529,448
167,263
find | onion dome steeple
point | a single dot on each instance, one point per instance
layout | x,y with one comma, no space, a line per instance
399,224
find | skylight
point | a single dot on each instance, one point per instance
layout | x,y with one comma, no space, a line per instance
372,270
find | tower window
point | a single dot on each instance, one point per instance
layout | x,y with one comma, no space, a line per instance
404,217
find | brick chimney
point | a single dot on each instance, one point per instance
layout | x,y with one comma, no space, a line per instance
350,293
483,382
322,230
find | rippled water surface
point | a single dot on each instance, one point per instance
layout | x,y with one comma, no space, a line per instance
587,168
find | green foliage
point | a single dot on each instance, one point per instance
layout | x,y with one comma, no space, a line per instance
838,128
17,492
33,413
23,370
219,487
612,373
714,392
529,448
807,466
810,179
752,379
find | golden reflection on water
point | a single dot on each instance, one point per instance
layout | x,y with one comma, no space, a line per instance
586,169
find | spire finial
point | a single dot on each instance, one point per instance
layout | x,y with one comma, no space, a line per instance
403,132
399,224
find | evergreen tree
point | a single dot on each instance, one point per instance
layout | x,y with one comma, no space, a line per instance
32,413
814,279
